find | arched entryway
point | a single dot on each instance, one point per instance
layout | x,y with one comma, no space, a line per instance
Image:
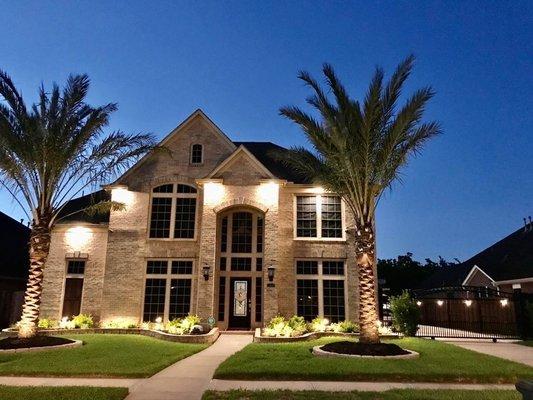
240,246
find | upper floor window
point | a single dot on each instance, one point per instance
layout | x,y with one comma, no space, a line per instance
196,154
173,212
319,216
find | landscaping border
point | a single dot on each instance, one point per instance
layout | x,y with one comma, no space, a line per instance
258,338
206,338
317,351
76,343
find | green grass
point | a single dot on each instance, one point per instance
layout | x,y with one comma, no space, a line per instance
526,343
438,362
405,394
132,356
61,393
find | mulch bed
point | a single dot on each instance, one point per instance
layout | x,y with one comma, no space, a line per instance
364,349
36,341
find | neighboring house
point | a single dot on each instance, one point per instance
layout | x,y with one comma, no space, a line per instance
211,227
506,265
14,263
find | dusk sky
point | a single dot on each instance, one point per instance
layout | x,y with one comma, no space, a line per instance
238,61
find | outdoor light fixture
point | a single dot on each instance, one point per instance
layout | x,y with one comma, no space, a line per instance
205,271
504,302
271,272
440,303
418,303
468,303
158,320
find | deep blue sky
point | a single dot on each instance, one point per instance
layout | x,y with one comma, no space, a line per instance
238,61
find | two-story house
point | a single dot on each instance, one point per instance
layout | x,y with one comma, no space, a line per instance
210,227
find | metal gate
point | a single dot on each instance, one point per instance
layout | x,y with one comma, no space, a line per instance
471,312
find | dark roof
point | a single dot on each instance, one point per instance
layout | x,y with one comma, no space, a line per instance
266,153
73,210
14,248
510,258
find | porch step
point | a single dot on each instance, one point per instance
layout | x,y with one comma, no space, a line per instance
237,332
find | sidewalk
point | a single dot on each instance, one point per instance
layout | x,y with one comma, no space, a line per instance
223,385
189,378
509,351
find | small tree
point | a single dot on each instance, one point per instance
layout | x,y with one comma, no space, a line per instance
49,153
405,314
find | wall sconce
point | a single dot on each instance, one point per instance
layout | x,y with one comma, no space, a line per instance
504,302
205,271
271,273
440,303
468,303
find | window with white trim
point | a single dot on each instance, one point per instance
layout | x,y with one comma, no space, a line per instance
167,293
320,289
319,216
173,212
196,154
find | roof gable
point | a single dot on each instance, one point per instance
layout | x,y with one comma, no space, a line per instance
241,166
197,117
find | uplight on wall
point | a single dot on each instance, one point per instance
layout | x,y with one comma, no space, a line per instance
213,193
78,237
268,193
122,195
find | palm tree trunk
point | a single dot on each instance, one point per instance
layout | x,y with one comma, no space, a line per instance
39,249
368,316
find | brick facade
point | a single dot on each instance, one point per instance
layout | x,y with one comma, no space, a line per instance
229,178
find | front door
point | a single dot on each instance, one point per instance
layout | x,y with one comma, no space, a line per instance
241,303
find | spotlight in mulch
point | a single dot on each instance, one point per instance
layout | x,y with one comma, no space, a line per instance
12,343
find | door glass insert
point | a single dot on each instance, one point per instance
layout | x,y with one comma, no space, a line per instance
240,306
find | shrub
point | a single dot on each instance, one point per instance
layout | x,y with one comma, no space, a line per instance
278,326
405,314
83,321
183,326
46,323
319,324
119,323
65,323
298,325
345,327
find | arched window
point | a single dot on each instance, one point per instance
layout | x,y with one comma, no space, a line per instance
173,212
196,154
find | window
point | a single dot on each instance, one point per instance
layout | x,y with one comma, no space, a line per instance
258,299
173,212
76,267
320,289
319,216
167,293
196,154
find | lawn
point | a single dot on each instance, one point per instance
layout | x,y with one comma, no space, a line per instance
405,394
438,362
61,393
526,343
132,356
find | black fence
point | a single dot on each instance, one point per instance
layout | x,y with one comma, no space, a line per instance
473,312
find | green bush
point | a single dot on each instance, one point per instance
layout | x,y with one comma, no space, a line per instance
344,327
298,325
83,321
319,324
405,314
119,323
182,326
46,323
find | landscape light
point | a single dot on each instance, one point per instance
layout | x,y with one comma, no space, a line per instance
418,303
504,302
440,302
468,303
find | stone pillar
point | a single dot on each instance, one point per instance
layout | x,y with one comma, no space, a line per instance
271,257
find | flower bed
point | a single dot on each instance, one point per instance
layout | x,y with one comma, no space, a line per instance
182,330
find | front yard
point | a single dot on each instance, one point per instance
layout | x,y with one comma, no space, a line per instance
131,356
438,362
389,395
61,393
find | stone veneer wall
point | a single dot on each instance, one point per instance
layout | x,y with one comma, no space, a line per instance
69,238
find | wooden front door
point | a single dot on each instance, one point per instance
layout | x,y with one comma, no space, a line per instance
241,303
72,298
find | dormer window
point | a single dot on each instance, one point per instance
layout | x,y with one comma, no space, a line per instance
196,154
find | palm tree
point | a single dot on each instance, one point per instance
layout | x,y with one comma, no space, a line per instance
359,150
51,152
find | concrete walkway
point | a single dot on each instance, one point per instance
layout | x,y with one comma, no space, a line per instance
38,381
509,351
223,385
189,378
